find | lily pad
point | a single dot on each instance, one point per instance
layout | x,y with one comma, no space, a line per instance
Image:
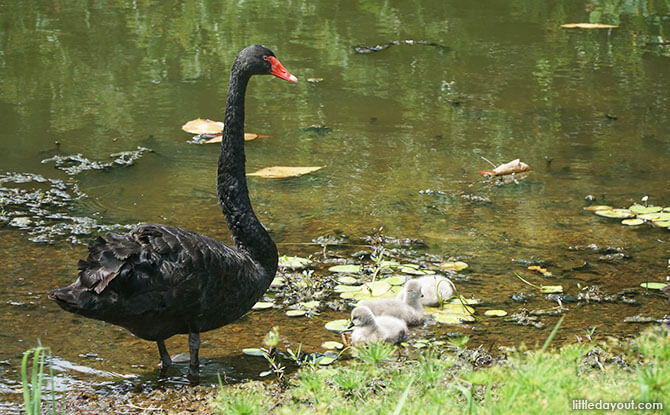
377,288
454,266
282,172
653,285
495,313
616,213
639,209
411,271
593,208
454,318
662,223
395,280
632,222
588,26
252,351
326,360
338,326
347,280
310,304
345,269
296,313
294,262
466,301
332,345
650,216
277,282
551,289
347,288
262,305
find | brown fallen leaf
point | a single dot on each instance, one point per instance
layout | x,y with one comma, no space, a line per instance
514,166
214,129
280,172
200,126
247,137
538,269
588,26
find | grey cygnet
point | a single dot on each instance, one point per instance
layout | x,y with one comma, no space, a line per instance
368,328
434,288
410,310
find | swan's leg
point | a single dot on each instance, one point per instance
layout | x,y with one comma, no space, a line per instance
165,356
194,348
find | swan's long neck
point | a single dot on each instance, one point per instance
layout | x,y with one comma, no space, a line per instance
249,236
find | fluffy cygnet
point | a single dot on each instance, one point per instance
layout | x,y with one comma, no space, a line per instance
434,288
368,328
409,310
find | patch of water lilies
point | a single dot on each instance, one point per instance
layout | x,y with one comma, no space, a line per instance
294,262
635,215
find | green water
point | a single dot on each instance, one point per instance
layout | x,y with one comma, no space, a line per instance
405,130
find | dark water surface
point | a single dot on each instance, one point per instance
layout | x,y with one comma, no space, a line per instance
400,131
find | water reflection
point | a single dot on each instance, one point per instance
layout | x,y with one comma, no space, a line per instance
406,128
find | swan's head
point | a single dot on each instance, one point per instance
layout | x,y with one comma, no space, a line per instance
362,316
259,60
413,290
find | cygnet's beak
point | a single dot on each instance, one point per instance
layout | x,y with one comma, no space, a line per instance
279,71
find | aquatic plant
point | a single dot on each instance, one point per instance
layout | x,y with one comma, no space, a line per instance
33,385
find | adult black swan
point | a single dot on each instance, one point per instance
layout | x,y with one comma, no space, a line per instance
157,280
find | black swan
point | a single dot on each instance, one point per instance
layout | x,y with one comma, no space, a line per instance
157,280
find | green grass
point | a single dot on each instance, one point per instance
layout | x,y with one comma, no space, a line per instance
33,382
441,382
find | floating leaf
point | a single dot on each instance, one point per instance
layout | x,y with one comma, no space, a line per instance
454,318
593,208
348,295
551,289
252,351
310,304
538,269
247,137
326,360
347,288
376,288
294,262
632,222
454,266
466,301
615,213
200,126
296,313
347,280
349,269
653,285
662,223
282,172
512,167
395,280
332,345
277,282
645,209
337,325
649,216
588,26
262,305
314,80
411,271
495,313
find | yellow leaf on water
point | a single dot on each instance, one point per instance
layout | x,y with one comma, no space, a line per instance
200,126
280,172
588,26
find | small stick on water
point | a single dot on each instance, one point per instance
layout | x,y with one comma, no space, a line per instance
529,283
488,161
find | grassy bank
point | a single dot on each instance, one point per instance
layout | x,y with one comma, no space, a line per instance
380,380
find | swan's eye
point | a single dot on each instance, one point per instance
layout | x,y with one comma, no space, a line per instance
265,57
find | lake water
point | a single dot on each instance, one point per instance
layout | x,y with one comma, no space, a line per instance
401,133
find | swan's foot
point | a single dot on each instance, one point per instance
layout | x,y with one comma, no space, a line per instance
194,363
166,362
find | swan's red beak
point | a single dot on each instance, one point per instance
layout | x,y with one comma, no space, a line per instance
279,71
